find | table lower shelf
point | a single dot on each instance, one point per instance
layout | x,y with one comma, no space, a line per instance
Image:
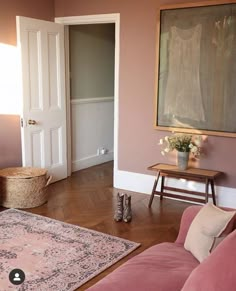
184,197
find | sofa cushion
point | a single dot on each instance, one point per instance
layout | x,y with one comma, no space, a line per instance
218,271
209,223
163,267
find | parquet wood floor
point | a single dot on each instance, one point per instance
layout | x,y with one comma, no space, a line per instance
88,199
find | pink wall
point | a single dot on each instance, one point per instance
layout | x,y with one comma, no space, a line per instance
138,141
10,147
43,9
10,142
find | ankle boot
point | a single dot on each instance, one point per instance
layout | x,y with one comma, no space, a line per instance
127,216
119,207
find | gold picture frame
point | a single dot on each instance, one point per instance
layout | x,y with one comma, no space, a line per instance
196,68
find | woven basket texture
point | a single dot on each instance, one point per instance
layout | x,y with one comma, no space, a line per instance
23,187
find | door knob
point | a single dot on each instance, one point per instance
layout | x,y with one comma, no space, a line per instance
31,122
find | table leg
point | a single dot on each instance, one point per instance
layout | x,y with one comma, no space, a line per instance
213,192
162,186
154,189
206,190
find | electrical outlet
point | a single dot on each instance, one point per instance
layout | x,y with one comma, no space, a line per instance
103,151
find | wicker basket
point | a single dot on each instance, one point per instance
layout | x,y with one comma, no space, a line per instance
23,187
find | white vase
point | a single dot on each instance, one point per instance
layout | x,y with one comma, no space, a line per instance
183,160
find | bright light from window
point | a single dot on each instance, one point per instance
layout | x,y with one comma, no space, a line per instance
9,80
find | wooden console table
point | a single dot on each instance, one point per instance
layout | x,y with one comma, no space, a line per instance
193,174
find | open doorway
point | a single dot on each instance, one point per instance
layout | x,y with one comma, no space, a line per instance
91,66
93,19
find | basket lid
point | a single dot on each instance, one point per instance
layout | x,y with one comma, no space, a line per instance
22,172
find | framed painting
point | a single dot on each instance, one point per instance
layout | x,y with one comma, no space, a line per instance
196,88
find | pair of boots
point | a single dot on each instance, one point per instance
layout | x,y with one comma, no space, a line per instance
123,210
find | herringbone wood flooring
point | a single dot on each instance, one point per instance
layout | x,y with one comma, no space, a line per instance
88,199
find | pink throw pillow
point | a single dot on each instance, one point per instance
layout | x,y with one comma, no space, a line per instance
218,271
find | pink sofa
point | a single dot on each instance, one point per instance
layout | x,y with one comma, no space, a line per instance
169,267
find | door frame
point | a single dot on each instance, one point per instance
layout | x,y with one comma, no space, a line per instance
93,19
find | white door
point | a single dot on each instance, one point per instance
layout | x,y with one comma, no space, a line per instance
43,130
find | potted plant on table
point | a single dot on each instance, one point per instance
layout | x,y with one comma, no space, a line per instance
184,144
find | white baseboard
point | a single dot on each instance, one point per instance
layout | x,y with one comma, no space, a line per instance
91,161
142,183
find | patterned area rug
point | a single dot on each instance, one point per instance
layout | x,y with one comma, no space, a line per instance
54,255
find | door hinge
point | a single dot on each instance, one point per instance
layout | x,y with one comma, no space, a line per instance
22,122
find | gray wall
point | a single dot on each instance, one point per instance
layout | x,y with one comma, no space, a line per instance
92,60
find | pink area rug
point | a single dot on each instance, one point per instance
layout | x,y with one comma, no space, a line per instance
54,255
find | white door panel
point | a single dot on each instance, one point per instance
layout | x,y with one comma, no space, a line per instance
41,46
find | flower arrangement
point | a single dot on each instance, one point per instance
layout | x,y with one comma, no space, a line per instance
182,143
